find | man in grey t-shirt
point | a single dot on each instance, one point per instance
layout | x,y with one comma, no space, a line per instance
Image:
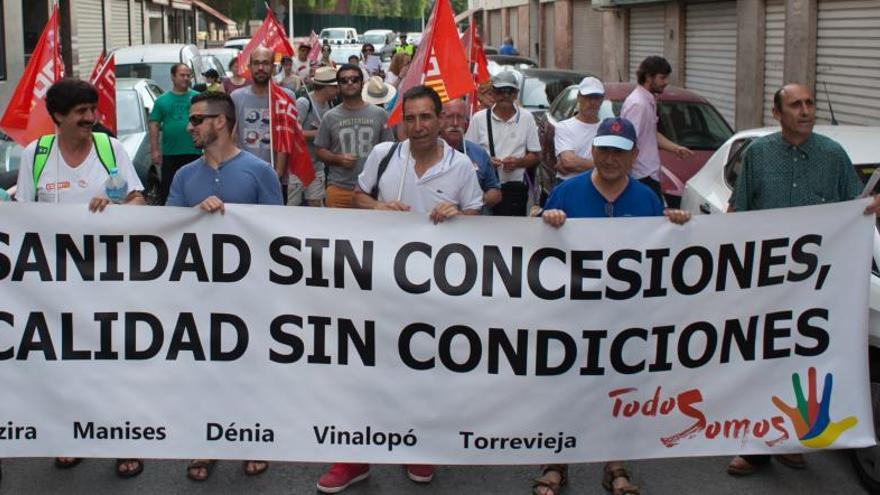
347,135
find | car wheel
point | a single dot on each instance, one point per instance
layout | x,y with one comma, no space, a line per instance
152,189
867,461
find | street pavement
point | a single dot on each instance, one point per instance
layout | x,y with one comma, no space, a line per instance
828,473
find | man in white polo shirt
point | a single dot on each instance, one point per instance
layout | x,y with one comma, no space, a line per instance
574,137
511,138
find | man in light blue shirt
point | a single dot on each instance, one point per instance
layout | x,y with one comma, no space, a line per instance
225,174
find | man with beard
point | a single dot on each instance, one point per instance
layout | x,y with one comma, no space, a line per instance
640,108
252,112
454,120
225,174
348,133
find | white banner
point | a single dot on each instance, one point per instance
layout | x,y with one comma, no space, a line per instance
307,334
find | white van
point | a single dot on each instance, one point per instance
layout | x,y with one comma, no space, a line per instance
155,62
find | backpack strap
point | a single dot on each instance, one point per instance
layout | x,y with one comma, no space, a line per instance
489,128
41,155
104,148
382,166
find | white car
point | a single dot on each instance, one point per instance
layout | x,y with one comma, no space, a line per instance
382,40
339,35
708,192
155,62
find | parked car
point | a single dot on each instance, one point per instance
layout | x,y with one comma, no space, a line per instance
134,102
382,40
225,55
212,62
339,36
490,50
155,62
708,192
540,87
514,61
413,38
339,54
237,43
685,117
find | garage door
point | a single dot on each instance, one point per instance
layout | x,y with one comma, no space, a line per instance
495,27
513,29
848,61
774,52
646,27
90,35
710,54
119,25
137,15
549,34
587,38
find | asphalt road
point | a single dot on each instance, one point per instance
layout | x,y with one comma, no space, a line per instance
828,473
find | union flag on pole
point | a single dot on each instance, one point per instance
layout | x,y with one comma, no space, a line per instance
473,47
26,118
102,57
315,44
104,80
440,61
287,135
271,35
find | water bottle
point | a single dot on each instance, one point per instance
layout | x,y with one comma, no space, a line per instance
116,187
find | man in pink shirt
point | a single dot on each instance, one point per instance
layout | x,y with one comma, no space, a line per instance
640,108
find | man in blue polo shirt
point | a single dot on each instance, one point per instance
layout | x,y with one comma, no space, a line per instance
606,190
225,174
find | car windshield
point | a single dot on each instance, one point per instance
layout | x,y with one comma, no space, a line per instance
159,72
374,39
129,114
697,126
333,34
224,58
539,92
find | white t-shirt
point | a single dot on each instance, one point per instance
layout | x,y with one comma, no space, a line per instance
61,183
577,136
512,138
453,179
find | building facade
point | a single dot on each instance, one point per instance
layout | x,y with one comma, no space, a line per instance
729,51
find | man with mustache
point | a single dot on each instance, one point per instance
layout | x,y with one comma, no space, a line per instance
252,112
71,167
455,121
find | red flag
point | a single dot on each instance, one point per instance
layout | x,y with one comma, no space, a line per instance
473,46
104,81
271,35
26,118
315,43
102,57
444,69
287,135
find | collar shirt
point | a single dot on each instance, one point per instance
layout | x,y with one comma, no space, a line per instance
452,179
513,137
777,174
640,108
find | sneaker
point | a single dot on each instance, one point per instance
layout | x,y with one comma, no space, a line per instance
420,473
341,475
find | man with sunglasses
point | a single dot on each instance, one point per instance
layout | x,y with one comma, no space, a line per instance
252,112
347,135
510,136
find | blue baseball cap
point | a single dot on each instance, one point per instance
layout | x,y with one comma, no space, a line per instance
615,132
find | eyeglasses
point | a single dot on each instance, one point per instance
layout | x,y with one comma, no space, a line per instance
349,80
197,118
505,90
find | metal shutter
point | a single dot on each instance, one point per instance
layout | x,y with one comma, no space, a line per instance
513,20
137,15
89,35
710,54
774,54
549,35
848,61
646,27
495,26
587,38
119,26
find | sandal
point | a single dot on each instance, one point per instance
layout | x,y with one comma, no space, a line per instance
129,473
740,466
544,481
254,468
67,462
612,475
195,466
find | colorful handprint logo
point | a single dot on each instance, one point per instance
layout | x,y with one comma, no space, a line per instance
811,419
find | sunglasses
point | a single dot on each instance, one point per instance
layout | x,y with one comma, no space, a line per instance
349,80
198,118
505,91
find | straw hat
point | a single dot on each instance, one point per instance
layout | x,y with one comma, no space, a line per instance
325,76
377,91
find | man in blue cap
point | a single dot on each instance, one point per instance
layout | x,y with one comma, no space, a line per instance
605,190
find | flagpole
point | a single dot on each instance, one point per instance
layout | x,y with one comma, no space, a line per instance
271,128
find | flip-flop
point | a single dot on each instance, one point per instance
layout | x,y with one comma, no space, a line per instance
67,464
256,472
131,473
206,464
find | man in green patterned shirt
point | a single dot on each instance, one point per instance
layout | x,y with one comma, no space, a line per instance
793,167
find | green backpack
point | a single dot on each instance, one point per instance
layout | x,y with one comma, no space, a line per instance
44,146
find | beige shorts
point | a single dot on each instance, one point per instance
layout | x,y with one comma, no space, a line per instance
296,194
